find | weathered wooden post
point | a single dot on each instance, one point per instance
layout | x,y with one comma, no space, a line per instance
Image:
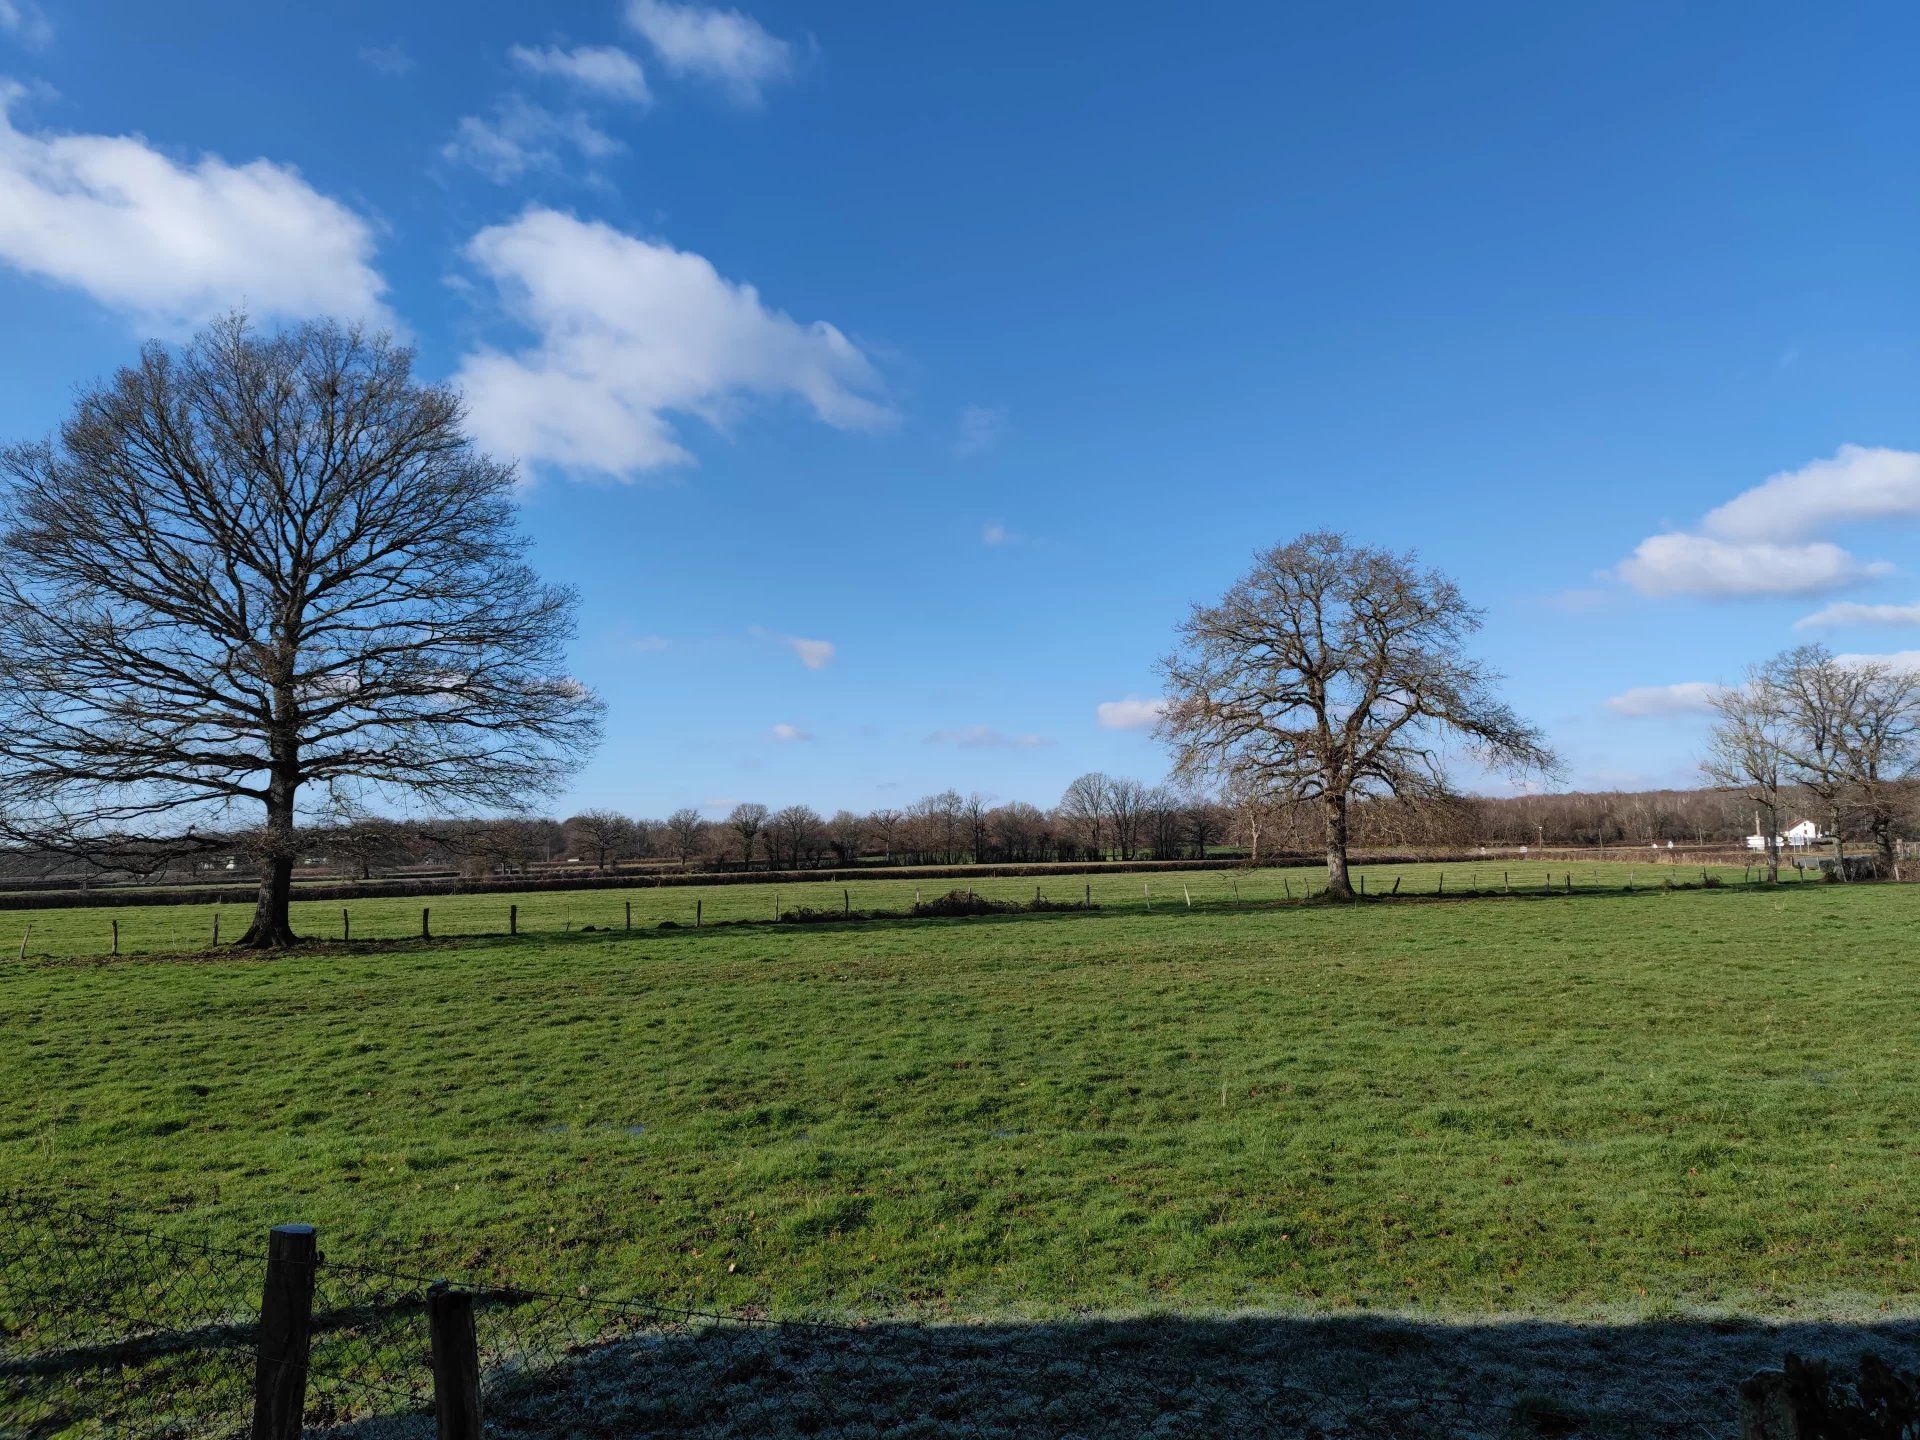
513,919
1089,894
116,937
346,925
455,1357
216,927
846,901
426,930
629,914
24,936
696,913
1289,884
286,1327
1766,1408
1396,884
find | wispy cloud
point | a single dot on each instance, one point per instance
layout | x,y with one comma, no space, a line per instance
784,732
517,136
390,59
1130,714
605,71
814,654
985,737
981,428
26,22
1688,697
998,535
724,47
1848,612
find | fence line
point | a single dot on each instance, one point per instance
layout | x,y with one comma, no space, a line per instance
386,922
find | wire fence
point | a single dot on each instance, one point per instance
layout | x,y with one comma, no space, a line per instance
83,934
111,1328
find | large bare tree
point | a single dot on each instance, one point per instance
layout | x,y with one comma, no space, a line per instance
1746,752
259,565
1331,672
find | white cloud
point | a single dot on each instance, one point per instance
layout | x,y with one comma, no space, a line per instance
814,654
724,46
1856,484
629,332
387,59
998,534
603,70
519,136
981,427
1897,660
1130,714
1766,540
1849,612
645,644
784,732
1689,697
26,22
1681,564
984,737
173,242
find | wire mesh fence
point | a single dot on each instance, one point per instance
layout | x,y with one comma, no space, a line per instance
113,1328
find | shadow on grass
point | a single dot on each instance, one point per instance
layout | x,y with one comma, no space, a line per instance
559,1369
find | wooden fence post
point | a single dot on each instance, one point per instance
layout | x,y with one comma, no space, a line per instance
286,1327
346,925
1089,894
426,930
513,919
1766,1408
696,913
629,914
455,1358
116,937
216,927
846,901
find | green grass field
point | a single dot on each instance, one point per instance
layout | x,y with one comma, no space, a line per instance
1604,1105
87,931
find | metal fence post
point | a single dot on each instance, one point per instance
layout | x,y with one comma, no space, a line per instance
456,1363
286,1328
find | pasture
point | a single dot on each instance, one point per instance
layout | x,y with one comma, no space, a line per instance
1602,1106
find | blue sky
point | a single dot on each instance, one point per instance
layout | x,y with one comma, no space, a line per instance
890,378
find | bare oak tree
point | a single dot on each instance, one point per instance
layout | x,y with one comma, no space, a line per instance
746,821
686,833
602,835
1331,672
1746,753
258,565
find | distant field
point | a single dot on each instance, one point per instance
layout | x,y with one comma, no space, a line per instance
1586,1106
82,931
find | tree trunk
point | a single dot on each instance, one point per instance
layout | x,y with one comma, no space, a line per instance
271,929
1839,845
1335,810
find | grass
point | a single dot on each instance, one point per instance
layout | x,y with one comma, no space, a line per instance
1597,1106
87,931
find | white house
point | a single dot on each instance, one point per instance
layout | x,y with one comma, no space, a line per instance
1803,836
